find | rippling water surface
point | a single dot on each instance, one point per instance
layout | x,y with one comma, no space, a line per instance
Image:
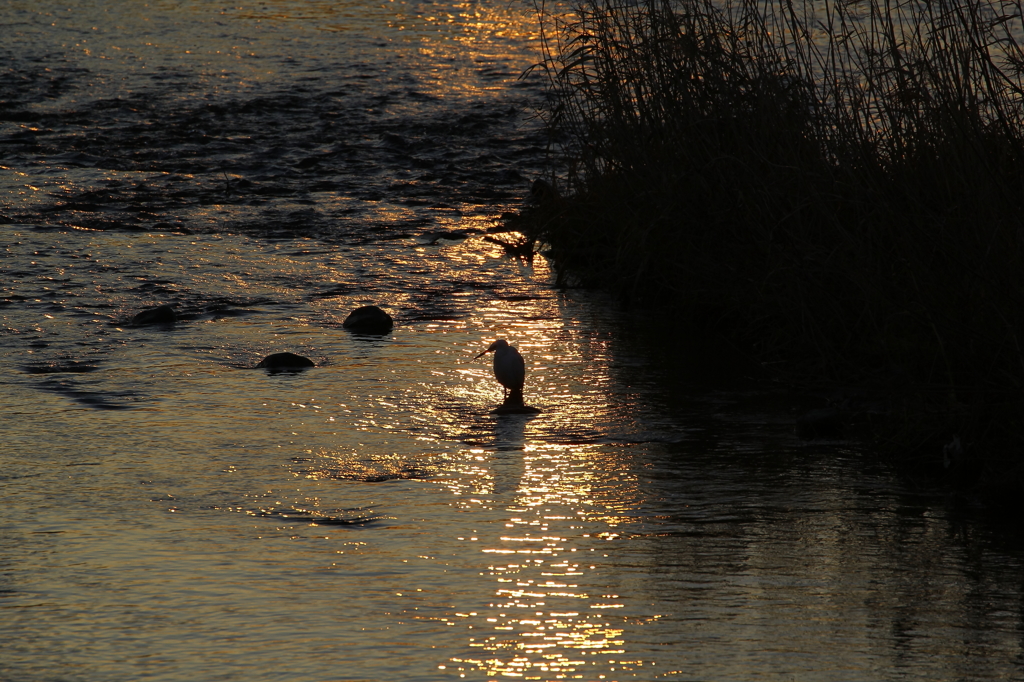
171,513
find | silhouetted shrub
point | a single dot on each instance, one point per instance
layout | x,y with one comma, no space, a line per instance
837,185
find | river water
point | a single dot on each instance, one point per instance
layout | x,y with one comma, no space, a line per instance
171,513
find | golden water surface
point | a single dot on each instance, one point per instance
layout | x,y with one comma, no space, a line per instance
171,513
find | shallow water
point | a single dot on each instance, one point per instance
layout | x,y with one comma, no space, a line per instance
172,514
287,118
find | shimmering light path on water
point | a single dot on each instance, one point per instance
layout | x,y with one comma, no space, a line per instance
172,514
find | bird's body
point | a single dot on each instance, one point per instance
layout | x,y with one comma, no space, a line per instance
509,369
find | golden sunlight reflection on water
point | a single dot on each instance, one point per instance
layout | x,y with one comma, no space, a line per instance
553,611
372,510
445,37
552,496
550,614
173,513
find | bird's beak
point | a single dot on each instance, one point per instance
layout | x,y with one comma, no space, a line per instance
482,354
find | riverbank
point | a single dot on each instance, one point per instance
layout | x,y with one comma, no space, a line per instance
839,206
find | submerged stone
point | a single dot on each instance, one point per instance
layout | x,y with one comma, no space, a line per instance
368,320
285,361
515,409
514,405
162,314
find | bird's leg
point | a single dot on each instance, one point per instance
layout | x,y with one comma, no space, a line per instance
514,398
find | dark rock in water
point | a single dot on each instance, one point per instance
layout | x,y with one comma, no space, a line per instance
450,235
279,362
826,422
369,320
72,366
515,409
162,314
514,404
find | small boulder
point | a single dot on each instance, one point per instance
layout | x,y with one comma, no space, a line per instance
515,409
514,404
285,362
162,314
368,320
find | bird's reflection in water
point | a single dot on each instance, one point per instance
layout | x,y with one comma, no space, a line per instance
509,443
510,432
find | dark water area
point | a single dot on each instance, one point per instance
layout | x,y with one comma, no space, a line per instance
172,513
275,119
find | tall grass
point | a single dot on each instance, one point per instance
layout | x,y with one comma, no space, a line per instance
837,186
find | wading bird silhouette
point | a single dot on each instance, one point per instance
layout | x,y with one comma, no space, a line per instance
509,370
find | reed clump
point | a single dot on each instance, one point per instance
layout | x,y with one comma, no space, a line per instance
836,187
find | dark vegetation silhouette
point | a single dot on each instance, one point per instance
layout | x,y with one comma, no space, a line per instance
835,188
